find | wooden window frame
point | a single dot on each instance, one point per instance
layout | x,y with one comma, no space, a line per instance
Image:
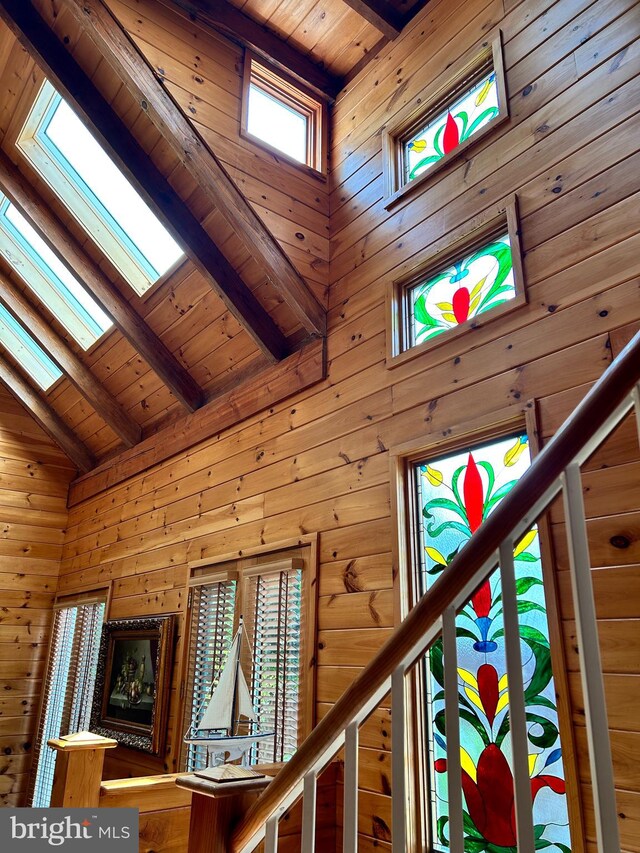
397,327
297,98
432,100
405,545
300,553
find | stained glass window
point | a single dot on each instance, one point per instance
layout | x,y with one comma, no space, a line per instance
469,287
455,124
455,493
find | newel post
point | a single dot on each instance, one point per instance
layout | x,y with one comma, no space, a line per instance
78,773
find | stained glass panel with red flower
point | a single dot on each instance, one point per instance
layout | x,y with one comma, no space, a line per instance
471,286
445,131
455,494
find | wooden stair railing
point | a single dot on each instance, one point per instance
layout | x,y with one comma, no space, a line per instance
556,470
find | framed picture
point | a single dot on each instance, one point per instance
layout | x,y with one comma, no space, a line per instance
132,682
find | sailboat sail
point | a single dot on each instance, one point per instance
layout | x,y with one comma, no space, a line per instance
230,699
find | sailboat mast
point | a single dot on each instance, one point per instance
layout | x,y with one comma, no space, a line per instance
235,680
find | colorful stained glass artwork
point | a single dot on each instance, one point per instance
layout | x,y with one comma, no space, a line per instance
455,494
471,286
443,133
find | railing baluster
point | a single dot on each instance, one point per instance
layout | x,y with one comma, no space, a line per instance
604,796
350,815
398,760
271,834
517,711
452,724
309,801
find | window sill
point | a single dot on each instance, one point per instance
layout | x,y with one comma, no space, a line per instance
283,158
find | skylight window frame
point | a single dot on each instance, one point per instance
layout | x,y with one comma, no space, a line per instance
295,97
44,282
84,205
428,104
27,352
398,334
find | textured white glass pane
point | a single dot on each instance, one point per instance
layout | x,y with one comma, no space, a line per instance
277,124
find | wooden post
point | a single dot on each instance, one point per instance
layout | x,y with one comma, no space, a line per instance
215,808
78,773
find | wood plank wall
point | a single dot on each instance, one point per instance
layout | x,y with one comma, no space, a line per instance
34,478
320,462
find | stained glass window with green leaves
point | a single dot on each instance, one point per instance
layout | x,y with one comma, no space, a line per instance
452,126
479,282
454,494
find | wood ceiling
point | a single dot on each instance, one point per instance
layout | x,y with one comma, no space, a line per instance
240,323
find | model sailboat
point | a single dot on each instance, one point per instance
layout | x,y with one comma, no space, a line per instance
217,729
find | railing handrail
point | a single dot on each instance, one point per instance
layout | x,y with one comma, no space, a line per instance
597,407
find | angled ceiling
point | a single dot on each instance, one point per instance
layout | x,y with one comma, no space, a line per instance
161,92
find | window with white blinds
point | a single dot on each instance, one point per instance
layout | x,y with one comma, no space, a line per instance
270,603
68,688
273,607
212,615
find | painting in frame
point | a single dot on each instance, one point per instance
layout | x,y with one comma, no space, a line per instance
133,682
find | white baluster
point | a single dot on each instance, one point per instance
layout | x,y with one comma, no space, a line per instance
604,797
309,812
350,816
398,761
517,711
271,834
452,728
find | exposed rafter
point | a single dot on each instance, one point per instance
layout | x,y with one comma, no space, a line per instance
104,404
140,81
383,16
233,23
69,78
132,326
47,418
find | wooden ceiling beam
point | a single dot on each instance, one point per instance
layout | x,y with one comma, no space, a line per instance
380,14
78,89
132,68
133,327
239,27
104,404
47,418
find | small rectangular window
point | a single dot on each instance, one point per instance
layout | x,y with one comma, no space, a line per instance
280,115
81,173
30,356
450,117
68,686
457,290
51,281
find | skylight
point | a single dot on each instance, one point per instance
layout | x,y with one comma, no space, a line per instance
40,269
96,192
29,355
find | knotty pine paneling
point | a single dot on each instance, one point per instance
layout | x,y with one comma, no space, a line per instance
34,479
319,461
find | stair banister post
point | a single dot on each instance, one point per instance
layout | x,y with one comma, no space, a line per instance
452,728
78,771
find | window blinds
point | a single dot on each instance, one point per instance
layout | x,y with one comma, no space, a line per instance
211,634
273,610
68,688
